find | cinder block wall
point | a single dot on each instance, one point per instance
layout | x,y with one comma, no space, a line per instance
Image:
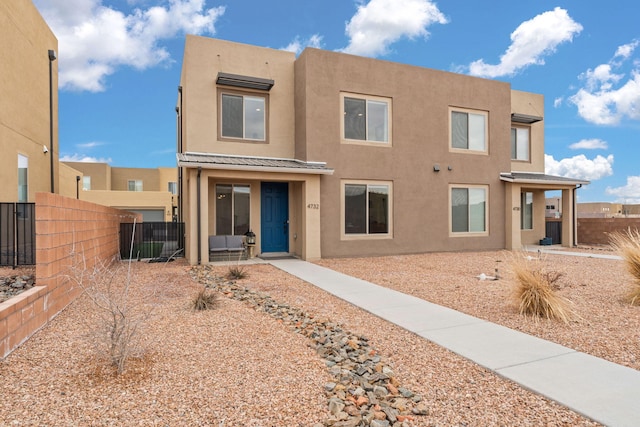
595,231
64,226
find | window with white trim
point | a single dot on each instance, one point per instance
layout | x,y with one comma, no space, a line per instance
243,116
134,185
172,187
366,118
469,130
86,183
233,203
366,208
526,210
520,143
469,209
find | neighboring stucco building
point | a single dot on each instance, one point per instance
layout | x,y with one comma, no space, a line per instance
607,210
331,155
28,103
150,192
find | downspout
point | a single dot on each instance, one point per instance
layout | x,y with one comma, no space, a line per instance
199,216
575,216
180,151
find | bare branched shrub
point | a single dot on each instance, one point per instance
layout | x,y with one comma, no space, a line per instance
116,330
205,299
628,244
535,290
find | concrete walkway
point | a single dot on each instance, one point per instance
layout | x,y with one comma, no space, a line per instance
600,390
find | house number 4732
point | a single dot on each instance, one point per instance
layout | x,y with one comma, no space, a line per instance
313,205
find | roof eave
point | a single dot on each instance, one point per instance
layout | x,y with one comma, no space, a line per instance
215,166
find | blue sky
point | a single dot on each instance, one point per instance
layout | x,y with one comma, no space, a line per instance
119,64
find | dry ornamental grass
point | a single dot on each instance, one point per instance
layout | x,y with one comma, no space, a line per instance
628,244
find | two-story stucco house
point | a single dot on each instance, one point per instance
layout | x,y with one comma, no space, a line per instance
330,155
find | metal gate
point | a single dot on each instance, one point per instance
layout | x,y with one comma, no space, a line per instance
554,230
156,240
17,234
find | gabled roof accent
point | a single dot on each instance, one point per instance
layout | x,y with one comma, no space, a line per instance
525,118
250,163
540,178
248,82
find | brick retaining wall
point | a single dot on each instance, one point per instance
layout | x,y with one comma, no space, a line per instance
62,226
595,231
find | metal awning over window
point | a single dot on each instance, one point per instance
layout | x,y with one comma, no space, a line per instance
525,118
246,82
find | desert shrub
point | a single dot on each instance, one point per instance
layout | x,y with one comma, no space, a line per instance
535,290
116,330
628,245
236,272
205,299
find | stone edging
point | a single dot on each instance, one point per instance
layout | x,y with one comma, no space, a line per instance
364,390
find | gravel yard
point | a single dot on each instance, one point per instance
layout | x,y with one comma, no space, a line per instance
236,366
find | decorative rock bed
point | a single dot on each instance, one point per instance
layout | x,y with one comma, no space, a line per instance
11,286
364,390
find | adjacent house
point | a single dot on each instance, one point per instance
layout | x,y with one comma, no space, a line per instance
28,103
330,155
151,192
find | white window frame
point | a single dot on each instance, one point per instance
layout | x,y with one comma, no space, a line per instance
137,185
244,96
172,187
368,99
523,155
486,211
476,114
86,183
367,235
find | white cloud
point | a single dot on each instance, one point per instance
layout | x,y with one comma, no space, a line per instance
90,145
590,144
379,23
606,97
297,45
558,101
95,40
580,167
531,42
630,193
84,159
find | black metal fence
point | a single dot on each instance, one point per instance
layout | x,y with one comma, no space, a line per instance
17,234
156,240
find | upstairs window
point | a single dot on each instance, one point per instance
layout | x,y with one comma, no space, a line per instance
172,187
243,117
86,183
469,130
134,185
366,119
520,144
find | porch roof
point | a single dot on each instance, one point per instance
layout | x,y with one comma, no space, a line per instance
540,178
250,163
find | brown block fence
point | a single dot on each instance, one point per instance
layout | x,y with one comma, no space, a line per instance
63,226
595,231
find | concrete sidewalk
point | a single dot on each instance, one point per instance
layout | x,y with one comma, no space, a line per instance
600,390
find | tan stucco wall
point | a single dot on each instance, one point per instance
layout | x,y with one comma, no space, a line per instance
421,99
531,104
69,185
120,178
100,174
203,59
131,200
24,99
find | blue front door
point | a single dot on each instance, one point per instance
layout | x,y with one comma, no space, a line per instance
275,216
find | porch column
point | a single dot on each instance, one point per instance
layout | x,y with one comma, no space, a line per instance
311,218
568,223
513,238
